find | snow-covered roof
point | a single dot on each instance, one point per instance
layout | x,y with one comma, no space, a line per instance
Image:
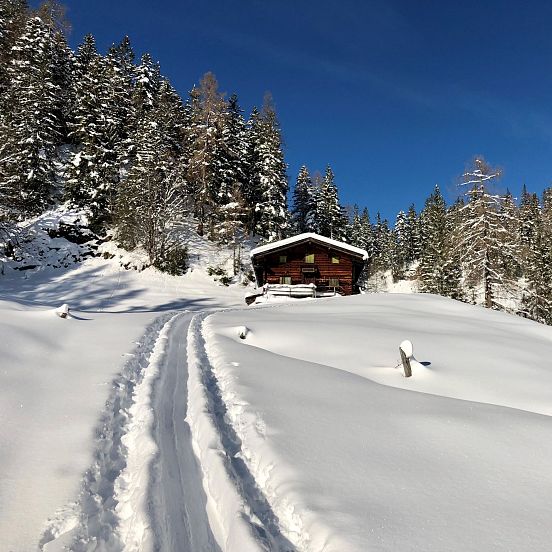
308,237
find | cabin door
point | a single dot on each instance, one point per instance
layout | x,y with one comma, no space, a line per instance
309,278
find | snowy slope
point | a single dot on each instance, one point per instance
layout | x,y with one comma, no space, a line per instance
56,375
353,456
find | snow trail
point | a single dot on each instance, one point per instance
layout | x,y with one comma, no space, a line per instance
92,522
178,501
245,517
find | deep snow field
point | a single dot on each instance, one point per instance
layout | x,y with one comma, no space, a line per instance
353,456
56,375
306,430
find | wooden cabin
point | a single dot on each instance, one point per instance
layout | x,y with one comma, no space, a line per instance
332,266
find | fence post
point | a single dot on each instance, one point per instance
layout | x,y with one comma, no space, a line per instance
405,358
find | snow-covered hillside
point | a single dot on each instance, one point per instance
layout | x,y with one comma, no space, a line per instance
137,425
56,376
352,456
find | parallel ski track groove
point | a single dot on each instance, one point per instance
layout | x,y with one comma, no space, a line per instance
269,533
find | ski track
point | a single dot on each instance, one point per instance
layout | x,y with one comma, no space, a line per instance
176,502
92,522
264,524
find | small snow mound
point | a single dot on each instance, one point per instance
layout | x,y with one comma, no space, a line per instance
242,332
63,311
407,348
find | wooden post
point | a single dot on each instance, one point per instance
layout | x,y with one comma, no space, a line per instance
405,363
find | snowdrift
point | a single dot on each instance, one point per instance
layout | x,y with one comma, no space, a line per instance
352,456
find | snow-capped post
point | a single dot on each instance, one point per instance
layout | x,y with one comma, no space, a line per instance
406,350
242,332
63,311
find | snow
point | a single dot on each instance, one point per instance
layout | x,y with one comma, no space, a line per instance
56,376
132,506
305,237
306,434
407,348
353,456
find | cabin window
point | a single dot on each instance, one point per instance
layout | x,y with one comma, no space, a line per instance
309,258
283,259
285,280
333,282
335,259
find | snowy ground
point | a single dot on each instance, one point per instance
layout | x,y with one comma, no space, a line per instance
352,456
144,423
56,376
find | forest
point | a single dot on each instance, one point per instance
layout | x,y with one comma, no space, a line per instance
107,133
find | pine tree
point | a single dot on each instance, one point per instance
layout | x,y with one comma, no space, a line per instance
331,220
486,245
99,128
304,204
232,211
32,128
537,299
151,201
399,243
269,171
13,15
439,270
206,150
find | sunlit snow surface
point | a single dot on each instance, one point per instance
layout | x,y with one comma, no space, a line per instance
56,375
353,456
349,454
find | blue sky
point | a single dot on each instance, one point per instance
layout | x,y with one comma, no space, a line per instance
396,96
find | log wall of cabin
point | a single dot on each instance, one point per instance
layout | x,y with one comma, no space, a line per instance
273,270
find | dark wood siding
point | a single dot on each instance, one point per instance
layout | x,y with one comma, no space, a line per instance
270,270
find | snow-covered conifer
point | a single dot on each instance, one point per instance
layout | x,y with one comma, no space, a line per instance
304,204
330,217
439,270
31,128
269,175
99,127
13,15
486,246
205,150
151,200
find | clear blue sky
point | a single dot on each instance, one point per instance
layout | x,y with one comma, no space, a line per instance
395,95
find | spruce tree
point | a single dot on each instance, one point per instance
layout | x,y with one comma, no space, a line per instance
355,228
439,270
232,212
486,246
412,235
330,217
380,261
32,128
399,253
99,128
252,187
304,205
269,172
206,151
13,15
151,200
537,298
528,220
